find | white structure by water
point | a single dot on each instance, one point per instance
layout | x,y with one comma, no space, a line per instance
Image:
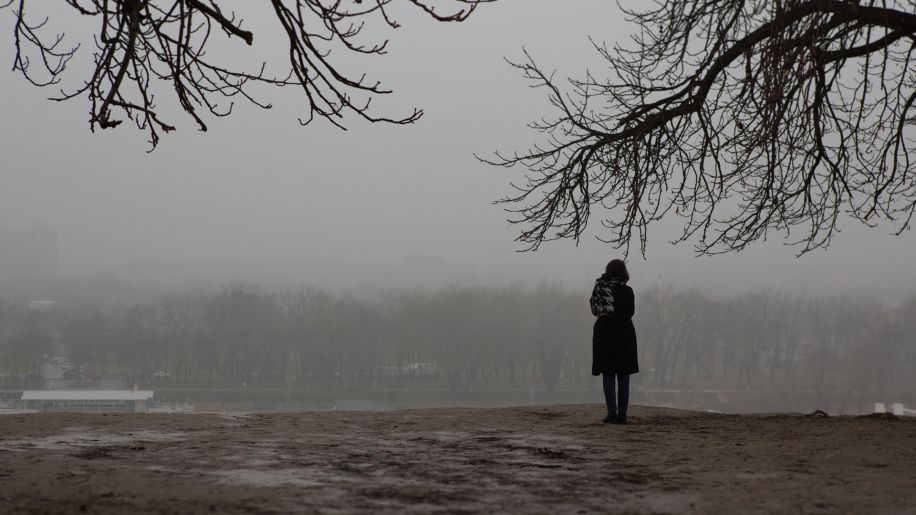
90,401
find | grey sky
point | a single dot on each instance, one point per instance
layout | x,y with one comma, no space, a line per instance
258,187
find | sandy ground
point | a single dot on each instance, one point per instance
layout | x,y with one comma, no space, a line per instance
556,459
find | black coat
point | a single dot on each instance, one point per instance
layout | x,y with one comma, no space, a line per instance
614,337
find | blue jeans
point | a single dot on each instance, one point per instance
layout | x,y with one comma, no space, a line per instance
616,404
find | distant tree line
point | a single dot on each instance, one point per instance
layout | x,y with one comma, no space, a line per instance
470,338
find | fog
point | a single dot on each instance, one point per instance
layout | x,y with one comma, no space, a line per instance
395,222
261,199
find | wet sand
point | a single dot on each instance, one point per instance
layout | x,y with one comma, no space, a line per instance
555,459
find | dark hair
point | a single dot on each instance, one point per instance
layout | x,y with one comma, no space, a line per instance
618,269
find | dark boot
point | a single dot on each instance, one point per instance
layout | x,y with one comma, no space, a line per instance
611,417
621,418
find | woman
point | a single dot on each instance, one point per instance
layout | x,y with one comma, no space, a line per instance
614,338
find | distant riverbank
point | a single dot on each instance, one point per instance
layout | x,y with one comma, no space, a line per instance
257,399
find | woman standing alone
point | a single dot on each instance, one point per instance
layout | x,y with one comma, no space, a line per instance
614,338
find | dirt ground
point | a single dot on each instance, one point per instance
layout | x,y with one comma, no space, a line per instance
556,459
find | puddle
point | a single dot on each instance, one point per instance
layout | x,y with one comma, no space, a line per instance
234,416
250,461
258,455
276,477
79,438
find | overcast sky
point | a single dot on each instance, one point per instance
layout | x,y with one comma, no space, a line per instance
258,187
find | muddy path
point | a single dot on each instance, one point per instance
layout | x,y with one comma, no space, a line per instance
556,459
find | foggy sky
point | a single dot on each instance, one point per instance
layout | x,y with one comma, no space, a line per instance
259,188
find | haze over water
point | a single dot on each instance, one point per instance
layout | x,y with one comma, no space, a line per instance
259,198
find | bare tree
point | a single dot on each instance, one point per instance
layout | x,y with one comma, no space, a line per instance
180,319
744,117
141,41
138,342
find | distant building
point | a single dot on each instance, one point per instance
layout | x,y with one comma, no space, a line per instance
27,256
89,401
42,305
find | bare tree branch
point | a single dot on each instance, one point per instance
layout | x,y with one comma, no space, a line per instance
743,117
142,42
